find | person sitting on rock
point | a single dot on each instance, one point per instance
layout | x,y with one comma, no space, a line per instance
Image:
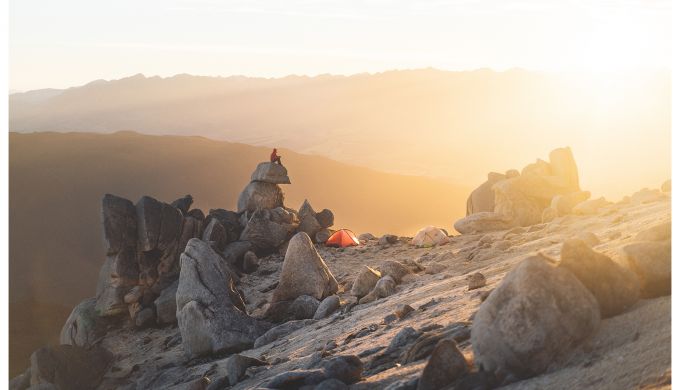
275,158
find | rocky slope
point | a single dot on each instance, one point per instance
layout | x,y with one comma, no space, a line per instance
56,183
579,301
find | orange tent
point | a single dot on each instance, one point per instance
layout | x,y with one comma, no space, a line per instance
342,238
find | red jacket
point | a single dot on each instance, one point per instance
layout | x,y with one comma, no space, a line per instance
273,156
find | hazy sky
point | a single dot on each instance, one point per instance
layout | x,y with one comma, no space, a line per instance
70,42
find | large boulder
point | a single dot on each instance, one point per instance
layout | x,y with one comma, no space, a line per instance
83,326
615,288
260,195
210,312
269,172
119,219
264,234
482,198
651,262
536,316
303,273
69,367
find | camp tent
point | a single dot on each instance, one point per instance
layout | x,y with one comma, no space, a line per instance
430,236
342,238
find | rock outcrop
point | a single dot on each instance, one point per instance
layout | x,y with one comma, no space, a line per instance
521,200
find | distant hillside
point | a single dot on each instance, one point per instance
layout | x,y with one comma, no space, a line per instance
56,182
422,122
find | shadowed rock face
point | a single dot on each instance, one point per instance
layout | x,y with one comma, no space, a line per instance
210,312
535,317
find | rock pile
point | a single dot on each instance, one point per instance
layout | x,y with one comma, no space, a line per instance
540,193
167,263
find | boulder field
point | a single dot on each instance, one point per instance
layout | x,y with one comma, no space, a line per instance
250,299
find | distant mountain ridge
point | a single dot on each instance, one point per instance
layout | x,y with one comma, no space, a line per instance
423,122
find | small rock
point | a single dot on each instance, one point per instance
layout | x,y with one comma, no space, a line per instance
144,318
331,384
346,368
476,280
590,207
501,245
322,236
366,237
250,262
365,281
236,366
279,331
434,268
394,269
383,288
403,311
303,307
327,307
445,366
388,239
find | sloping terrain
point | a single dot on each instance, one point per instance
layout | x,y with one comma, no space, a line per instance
57,181
628,351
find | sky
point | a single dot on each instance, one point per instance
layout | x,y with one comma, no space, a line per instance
59,44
